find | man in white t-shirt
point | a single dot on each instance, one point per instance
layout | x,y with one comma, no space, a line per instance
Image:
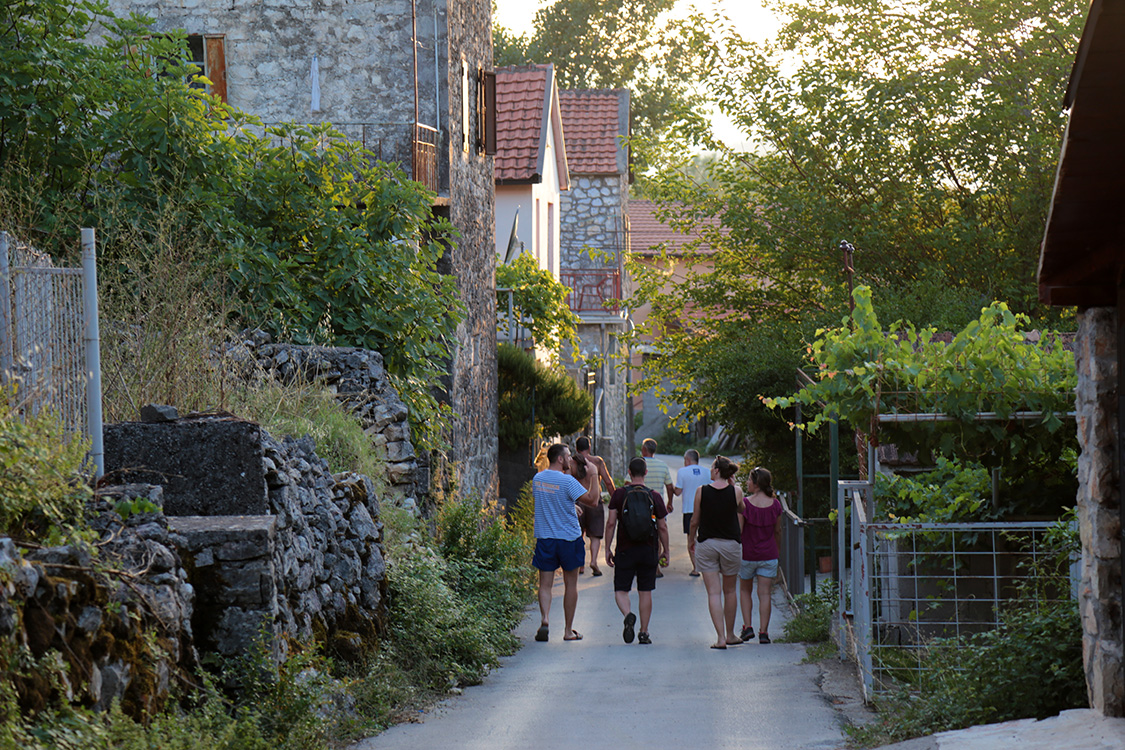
689,479
558,537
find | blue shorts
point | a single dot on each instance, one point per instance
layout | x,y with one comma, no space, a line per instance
763,568
551,554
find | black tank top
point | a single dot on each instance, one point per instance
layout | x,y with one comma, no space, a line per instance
718,514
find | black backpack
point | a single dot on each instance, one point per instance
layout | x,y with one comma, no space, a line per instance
638,522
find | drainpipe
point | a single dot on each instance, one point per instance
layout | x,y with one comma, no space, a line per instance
414,50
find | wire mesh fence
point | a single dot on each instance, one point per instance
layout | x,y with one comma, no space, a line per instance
927,581
42,347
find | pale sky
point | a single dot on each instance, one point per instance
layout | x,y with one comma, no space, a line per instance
750,20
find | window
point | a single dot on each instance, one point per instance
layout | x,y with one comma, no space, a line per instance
208,51
486,112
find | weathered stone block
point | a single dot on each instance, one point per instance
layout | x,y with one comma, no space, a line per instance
208,466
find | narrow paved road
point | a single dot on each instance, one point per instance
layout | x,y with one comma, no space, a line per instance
599,692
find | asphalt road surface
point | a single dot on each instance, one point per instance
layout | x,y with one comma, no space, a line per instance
600,692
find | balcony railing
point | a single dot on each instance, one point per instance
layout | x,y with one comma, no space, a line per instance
425,156
593,290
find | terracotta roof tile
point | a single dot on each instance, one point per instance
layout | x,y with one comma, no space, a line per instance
592,126
648,235
520,108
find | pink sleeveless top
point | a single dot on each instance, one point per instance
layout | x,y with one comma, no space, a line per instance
758,540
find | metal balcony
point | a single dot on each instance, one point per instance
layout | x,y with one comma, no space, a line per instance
593,290
424,159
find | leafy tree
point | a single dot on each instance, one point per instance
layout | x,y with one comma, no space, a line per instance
316,241
629,44
924,134
538,301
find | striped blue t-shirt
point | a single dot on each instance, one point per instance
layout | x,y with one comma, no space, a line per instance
555,494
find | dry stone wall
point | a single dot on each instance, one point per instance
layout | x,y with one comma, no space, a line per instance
121,623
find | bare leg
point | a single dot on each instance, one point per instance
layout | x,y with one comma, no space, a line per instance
765,589
570,599
746,590
595,545
644,604
546,582
622,599
715,605
730,606
691,554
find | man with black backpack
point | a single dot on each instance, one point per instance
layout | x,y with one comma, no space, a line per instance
637,513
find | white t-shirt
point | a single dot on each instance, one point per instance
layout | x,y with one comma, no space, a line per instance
689,479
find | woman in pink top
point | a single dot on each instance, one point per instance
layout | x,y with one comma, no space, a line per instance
760,536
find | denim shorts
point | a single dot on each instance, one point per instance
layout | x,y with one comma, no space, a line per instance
552,554
763,568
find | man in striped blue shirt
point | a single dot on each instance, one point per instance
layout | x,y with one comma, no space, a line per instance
558,537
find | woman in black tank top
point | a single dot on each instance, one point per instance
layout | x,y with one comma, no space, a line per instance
718,511
716,525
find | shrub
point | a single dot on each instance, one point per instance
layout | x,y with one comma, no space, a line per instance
812,622
42,488
537,400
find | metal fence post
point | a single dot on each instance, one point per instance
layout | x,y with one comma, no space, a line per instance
5,308
93,350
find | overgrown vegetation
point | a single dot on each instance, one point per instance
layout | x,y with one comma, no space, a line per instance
454,595
204,211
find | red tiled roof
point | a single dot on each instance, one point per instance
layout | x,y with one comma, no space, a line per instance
648,235
594,121
521,107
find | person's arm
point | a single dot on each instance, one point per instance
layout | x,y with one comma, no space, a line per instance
666,555
610,527
671,492
777,535
603,472
741,509
694,522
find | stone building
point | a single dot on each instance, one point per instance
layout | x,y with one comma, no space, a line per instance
1081,264
593,243
411,80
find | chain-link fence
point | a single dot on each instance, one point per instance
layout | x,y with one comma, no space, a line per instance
44,352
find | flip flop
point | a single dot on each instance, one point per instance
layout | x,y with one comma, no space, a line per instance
574,636
718,648
541,634
734,643
694,574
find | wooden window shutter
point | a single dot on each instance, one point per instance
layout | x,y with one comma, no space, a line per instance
216,56
486,112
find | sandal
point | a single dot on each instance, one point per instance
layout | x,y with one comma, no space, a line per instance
574,636
541,633
747,633
628,633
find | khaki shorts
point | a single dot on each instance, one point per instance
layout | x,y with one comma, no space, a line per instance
718,556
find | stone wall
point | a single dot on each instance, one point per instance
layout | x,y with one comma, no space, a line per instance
311,560
593,215
359,380
472,209
121,624
364,55
1099,496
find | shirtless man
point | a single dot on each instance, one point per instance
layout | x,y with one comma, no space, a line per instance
593,518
